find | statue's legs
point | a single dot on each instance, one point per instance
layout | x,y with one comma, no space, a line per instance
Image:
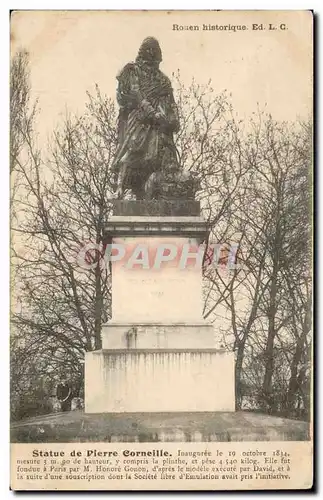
140,177
152,186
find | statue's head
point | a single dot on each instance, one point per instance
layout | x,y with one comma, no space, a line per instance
150,52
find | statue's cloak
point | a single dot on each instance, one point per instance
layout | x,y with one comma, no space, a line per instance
143,144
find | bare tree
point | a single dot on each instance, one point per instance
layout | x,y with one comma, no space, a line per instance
269,301
65,204
21,116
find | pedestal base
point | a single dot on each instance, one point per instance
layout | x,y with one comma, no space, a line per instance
158,354
119,381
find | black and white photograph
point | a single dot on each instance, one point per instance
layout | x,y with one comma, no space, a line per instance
161,216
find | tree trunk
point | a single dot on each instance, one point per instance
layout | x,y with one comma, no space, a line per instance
294,381
269,351
98,307
238,372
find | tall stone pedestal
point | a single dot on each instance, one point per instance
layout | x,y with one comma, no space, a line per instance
158,354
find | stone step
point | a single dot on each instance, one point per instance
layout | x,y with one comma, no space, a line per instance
76,426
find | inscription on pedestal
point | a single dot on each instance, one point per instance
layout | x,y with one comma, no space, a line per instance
156,207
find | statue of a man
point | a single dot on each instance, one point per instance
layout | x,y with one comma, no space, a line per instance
147,120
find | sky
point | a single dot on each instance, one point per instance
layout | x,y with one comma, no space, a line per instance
71,51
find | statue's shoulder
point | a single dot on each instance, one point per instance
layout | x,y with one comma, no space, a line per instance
128,70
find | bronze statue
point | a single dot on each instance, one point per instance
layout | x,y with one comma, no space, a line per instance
146,158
